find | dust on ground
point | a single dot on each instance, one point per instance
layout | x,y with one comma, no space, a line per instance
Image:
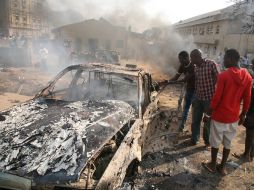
18,85
175,164
8,100
179,167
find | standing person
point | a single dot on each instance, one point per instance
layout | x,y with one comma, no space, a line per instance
43,58
248,154
186,68
233,87
206,72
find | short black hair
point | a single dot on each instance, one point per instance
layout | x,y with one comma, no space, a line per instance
183,54
233,54
197,53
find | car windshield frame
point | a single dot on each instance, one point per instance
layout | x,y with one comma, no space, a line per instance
123,72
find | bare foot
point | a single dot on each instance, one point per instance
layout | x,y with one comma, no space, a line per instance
209,166
222,170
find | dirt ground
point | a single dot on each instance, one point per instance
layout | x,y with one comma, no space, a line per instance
10,99
20,84
178,166
175,165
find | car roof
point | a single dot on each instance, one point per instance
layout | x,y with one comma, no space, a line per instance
109,68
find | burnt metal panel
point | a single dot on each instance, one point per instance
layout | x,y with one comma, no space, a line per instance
9,181
51,141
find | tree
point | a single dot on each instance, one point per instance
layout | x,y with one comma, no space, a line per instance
246,9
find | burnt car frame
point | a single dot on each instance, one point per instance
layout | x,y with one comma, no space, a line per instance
78,132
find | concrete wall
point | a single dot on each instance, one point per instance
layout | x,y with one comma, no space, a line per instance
23,18
214,43
244,43
3,16
101,34
105,35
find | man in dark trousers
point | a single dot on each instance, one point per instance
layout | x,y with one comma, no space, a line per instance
248,154
186,68
206,72
233,87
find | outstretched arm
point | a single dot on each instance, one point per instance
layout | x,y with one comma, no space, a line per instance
176,77
246,103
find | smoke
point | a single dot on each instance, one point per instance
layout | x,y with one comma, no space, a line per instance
163,44
163,49
124,13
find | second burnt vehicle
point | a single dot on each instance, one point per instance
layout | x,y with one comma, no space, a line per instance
81,131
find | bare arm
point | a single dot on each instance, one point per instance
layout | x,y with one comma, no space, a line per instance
176,77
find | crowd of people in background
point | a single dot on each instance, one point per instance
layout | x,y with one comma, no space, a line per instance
222,98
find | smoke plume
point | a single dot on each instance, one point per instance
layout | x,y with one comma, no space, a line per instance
162,47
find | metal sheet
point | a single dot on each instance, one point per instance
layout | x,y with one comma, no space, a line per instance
9,181
51,141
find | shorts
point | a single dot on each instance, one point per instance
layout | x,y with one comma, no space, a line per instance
222,133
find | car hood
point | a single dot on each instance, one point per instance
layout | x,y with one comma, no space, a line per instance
51,141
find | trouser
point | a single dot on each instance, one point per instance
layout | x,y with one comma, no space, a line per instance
249,143
199,107
186,107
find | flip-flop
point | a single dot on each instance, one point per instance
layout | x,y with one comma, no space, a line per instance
238,156
241,157
222,172
206,166
208,147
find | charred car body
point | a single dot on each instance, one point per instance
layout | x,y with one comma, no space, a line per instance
71,132
99,56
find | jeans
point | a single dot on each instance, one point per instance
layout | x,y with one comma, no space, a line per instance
186,107
199,107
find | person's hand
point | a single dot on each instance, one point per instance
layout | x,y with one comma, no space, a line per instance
162,83
206,118
182,80
241,119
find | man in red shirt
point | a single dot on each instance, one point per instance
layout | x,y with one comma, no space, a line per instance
233,86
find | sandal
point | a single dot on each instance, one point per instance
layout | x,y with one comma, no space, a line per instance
242,157
221,170
238,156
207,166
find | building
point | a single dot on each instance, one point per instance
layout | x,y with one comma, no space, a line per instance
222,29
94,34
23,18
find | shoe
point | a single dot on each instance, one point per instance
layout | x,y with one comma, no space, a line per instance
194,142
180,130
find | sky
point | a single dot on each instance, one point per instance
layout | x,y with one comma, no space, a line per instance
140,13
178,10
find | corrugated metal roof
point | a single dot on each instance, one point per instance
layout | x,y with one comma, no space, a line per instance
220,14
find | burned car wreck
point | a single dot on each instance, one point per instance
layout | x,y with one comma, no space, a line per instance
73,130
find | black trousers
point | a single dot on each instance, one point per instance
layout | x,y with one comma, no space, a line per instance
249,142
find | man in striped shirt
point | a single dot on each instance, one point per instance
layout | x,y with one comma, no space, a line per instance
206,72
